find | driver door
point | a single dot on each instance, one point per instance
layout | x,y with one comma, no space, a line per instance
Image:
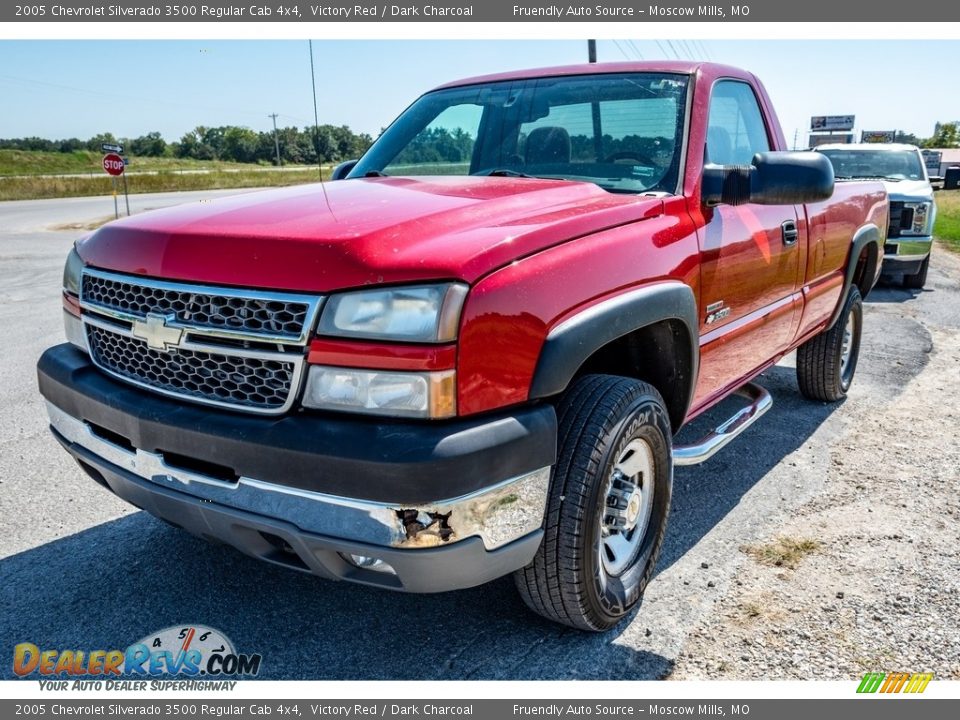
751,257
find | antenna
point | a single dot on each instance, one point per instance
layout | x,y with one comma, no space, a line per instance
316,130
316,116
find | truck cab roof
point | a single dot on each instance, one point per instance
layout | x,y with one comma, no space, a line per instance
681,67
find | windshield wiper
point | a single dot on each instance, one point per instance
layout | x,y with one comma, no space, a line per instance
374,173
505,172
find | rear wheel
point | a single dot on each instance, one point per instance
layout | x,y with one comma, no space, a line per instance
918,280
826,363
608,505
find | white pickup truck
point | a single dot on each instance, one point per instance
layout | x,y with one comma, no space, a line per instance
912,209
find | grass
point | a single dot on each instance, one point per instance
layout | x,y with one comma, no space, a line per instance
782,552
33,175
947,227
34,188
36,162
751,609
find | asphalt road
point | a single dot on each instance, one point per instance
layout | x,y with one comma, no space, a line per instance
81,569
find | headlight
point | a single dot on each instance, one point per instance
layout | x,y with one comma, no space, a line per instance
427,313
921,216
71,273
400,394
72,325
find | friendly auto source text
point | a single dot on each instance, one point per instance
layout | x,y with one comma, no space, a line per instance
626,11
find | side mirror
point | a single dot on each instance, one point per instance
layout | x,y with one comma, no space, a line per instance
772,178
343,169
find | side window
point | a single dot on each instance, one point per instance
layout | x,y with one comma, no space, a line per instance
735,128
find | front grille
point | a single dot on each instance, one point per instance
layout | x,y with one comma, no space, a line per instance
255,383
901,219
234,348
202,308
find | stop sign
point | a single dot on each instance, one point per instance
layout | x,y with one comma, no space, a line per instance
113,164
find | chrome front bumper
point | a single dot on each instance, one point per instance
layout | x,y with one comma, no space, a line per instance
907,248
497,515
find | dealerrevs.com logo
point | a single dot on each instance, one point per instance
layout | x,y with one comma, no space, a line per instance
191,651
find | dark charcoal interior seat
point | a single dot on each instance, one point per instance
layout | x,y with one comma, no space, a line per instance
548,146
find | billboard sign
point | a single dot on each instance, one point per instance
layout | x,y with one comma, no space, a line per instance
831,122
878,136
932,159
825,139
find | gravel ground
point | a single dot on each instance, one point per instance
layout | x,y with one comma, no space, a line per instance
877,585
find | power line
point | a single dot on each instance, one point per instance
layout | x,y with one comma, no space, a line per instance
673,48
636,49
622,51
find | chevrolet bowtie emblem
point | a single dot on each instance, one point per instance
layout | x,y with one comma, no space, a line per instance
157,332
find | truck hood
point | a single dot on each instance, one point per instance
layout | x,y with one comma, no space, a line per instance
909,190
357,232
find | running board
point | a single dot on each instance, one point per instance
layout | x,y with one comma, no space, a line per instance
715,440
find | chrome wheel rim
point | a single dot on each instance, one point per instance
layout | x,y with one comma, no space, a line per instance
628,506
846,346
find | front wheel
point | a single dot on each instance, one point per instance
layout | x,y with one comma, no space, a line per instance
609,500
827,362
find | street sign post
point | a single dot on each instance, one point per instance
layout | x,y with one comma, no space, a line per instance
113,165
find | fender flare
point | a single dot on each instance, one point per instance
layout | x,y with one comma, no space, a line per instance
865,235
569,344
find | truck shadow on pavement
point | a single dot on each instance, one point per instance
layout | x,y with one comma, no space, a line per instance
112,584
890,290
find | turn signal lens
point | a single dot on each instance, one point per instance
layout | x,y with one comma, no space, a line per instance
399,394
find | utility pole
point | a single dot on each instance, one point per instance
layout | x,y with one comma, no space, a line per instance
276,139
591,51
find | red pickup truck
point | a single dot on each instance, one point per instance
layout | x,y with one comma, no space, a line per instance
469,355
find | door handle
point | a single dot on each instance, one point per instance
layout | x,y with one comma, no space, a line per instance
790,232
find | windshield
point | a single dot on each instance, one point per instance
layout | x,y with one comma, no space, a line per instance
621,131
885,164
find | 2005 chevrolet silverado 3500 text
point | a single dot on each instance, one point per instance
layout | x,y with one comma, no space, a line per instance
468,356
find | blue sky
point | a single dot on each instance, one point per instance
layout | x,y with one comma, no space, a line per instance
79,88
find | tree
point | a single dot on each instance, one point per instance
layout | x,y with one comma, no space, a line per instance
149,145
945,135
239,145
908,138
192,145
96,141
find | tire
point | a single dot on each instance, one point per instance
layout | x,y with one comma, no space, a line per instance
917,281
608,426
826,363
